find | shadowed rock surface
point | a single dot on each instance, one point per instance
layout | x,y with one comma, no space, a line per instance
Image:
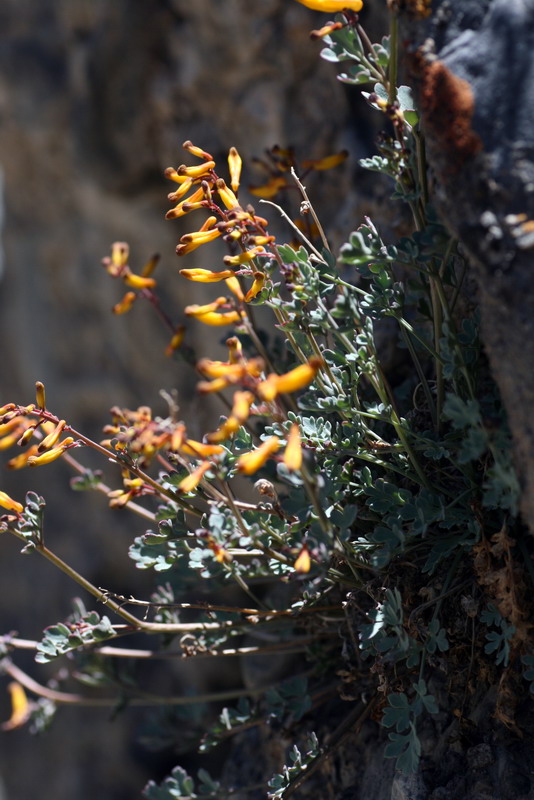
476,88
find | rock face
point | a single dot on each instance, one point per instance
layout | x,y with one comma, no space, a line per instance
476,91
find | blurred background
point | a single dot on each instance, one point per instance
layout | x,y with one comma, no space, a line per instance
95,101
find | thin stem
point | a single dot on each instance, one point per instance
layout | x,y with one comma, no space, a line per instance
304,194
145,699
138,624
422,377
393,56
297,230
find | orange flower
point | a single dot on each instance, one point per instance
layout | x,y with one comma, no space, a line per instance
332,6
199,449
7,502
125,304
190,483
293,451
240,412
326,163
292,381
249,463
206,275
220,369
269,189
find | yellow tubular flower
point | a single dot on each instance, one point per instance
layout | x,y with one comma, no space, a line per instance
244,258
208,225
226,318
257,286
208,387
119,254
241,405
220,369
125,304
293,451
40,396
179,210
206,275
8,427
190,241
260,240
292,381
235,350
227,429
20,707
199,449
249,463
332,6
196,310
138,282
196,172
6,408
27,435
50,455
190,483
196,151
269,189
8,441
176,341
326,163
173,175
52,438
235,287
11,505
183,189
227,196
22,460
234,165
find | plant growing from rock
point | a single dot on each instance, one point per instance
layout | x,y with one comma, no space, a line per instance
384,501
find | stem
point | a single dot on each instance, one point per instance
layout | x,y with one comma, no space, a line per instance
302,190
393,55
146,699
421,375
102,597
